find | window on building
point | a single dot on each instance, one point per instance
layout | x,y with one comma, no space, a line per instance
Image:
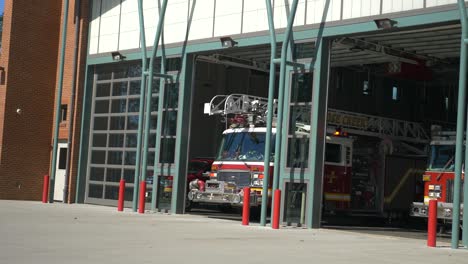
395,93
446,103
62,160
366,88
63,112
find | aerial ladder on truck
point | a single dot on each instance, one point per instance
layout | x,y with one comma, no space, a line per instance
255,109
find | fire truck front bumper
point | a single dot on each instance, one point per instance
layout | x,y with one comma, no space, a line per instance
444,210
234,199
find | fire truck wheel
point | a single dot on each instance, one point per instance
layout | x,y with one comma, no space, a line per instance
225,208
255,213
188,205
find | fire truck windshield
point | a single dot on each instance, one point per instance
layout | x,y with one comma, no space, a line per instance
245,146
442,158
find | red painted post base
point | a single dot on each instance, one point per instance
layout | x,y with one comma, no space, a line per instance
276,209
141,207
432,224
45,189
246,207
120,205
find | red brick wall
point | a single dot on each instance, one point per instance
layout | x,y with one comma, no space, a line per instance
30,56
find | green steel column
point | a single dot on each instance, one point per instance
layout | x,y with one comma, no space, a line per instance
271,94
318,130
58,102
84,137
149,92
462,85
136,182
158,136
184,81
460,132
279,124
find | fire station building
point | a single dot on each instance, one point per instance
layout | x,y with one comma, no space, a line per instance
83,99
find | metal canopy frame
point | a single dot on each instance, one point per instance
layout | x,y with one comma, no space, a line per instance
147,79
461,134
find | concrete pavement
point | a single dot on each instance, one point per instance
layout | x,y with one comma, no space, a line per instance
32,232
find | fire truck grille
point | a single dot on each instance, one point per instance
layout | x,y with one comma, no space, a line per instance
240,178
450,191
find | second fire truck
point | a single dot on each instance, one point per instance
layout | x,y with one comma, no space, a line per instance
439,177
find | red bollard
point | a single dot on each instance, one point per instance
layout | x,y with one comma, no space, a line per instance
246,207
121,195
45,189
432,224
276,209
141,207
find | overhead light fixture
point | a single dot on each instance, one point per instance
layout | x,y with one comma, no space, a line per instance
385,23
227,42
117,56
355,48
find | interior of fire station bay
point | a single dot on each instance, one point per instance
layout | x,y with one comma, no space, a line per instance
354,106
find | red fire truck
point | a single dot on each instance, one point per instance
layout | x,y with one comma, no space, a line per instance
439,176
357,177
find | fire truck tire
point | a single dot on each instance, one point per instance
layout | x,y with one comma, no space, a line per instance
226,208
255,213
188,205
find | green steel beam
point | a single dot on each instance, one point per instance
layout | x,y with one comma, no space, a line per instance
179,181
84,136
318,131
290,63
279,123
185,81
320,66
271,94
58,102
460,135
158,136
460,131
149,92
144,58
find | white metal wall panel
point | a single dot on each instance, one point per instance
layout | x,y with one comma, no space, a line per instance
315,9
281,11
255,16
95,24
202,21
431,3
228,17
110,8
114,23
360,8
391,6
129,27
109,29
151,16
108,43
175,25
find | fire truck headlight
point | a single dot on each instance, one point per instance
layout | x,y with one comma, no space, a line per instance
257,182
236,199
190,196
423,211
448,212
